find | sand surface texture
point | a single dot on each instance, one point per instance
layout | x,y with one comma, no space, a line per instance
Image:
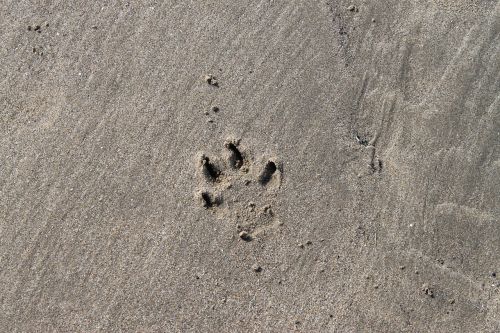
250,166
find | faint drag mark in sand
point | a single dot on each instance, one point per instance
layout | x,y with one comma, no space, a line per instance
239,189
374,163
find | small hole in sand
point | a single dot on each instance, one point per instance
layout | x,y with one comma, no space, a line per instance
267,173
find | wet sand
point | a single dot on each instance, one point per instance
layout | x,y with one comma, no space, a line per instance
250,166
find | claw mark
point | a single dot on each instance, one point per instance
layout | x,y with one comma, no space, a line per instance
236,159
209,170
208,201
267,173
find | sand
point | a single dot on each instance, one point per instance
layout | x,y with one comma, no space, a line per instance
250,166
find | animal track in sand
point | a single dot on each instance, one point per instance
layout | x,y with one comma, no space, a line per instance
239,189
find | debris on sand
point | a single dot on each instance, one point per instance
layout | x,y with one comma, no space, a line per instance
36,28
256,268
428,290
267,210
211,80
353,8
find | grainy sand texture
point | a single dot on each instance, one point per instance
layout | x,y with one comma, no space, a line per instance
250,166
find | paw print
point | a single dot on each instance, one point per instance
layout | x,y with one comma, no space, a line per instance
238,188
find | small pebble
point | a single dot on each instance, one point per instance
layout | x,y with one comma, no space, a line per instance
256,268
29,28
210,121
402,267
301,245
373,20
309,242
215,109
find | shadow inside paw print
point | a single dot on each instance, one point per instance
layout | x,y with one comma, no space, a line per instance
237,188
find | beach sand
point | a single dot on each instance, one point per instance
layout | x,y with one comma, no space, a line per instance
250,166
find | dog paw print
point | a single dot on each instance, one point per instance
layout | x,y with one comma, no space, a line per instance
239,188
